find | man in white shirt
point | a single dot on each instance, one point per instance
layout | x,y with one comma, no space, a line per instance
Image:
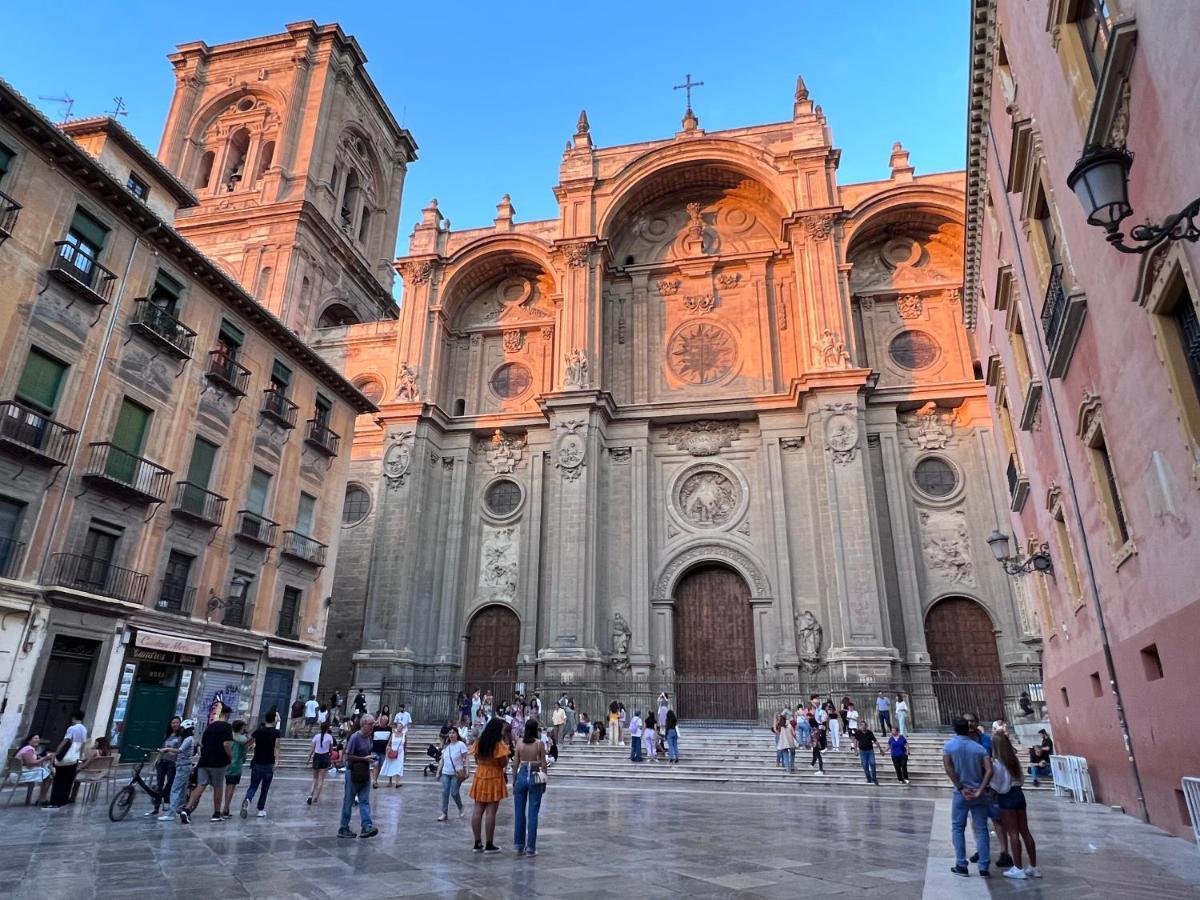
310,712
404,716
635,734
70,748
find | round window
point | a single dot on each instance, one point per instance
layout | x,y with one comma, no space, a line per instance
511,380
913,350
502,497
935,477
246,104
356,506
370,388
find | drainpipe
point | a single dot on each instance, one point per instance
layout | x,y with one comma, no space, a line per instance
1077,514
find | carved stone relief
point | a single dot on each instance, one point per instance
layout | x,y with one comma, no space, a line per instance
759,585
407,389
513,341
809,636
498,563
669,287
831,351
930,428
701,353
621,634
818,226
909,306
577,369
708,498
572,448
397,459
504,452
699,304
946,544
703,438
841,432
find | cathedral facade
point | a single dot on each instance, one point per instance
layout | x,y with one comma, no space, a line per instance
717,419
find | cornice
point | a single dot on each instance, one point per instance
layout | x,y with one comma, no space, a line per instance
983,37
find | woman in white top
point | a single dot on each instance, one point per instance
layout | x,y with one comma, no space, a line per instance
902,714
785,742
851,720
320,758
393,763
456,763
835,726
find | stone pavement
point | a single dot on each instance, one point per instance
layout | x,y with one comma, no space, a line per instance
595,842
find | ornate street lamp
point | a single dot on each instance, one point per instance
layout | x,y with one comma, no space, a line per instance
1101,182
1019,565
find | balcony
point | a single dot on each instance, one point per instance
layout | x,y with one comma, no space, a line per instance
320,437
279,408
228,373
76,268
1062,321
289,626
26,433
162,328
97,576
302,547
9,210
175,597
256,529
1018,484
198,504
12,554
238,614
129,476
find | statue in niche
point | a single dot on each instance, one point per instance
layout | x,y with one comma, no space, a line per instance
498,570
621,633
831,350
808,639
577,369
407,390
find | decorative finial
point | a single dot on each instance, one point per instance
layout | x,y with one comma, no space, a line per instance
690,122
902,170
582,126
504,214
801,89
802,106
582,139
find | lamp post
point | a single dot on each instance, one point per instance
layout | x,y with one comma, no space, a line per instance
1038,561
1100,180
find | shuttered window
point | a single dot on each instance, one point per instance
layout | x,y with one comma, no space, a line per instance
41,381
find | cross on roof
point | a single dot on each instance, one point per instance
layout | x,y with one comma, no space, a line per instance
687,85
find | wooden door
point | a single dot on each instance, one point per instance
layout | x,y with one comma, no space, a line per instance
493,641
715,662
966,663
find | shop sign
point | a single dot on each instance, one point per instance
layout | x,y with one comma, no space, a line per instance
144,654
171,644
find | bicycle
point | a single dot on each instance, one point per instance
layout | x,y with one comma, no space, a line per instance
123,802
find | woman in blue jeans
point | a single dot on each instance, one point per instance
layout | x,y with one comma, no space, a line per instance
530,761
454,771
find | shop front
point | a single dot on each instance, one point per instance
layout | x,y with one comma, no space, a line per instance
158,676
227,681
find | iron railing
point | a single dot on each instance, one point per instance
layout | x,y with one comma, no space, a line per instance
1054,308
31,434
289,623
75,263
1014,475
228,372
176,597
238,613
302,547
161,326
9,210
12,554
97,576
323,438
198,503
132,475
280,408
255,528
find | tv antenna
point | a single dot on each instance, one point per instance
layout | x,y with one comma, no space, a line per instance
66,100
119,108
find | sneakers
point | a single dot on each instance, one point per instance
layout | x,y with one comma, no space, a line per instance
346,833
1014,872
1005,861
309,801
984,873
184,818
491,848
153,812
1033,872
245,808
974,857
531,853
478,848
442,817
818,772
262,813
369,833
165,817
215,817
520,851
960,870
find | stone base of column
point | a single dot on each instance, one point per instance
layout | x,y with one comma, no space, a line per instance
865,665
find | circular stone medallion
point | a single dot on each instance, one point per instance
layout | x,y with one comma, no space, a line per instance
701,353
708,498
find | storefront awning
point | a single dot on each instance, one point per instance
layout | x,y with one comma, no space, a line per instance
172,643
274,651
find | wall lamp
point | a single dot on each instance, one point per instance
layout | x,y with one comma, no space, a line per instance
1019,565
1101,182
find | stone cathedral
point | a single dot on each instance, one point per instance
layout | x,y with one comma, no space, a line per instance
717,418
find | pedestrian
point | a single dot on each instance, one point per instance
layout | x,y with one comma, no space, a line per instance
572,720
969,769
360,703
311,708
614,724
164,766
835,726
844,714
321,759
902,714
380,736
650,739
898,745
66,760
529,785
233,772
183,773
36,768
216,753
1039,757
981,737
491,754
851,721
672,724
635,736
785,742
455,767
803,727
1006,782
664,703
864,737
262,764
820,738
393,762
359,756
404,717
558,719
883,706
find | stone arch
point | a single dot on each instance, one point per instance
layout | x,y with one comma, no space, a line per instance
262,119
492,644
336,313
962,631
712,552
909,237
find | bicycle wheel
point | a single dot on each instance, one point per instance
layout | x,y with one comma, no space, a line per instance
121,804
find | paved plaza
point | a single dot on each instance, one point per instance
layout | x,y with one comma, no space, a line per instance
593,842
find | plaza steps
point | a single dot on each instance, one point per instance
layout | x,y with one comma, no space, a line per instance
709,754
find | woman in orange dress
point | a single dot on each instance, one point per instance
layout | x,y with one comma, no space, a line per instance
489,788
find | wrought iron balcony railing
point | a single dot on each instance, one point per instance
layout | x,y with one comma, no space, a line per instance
162,328
79,269
256,529
289,625
97,576
176,597
238,614
123,473
278,407
1054,307
228,372
199,504
302,547
321,437
27,433
10,209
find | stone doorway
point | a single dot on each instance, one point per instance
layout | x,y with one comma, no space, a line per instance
965,660
715,668
493,641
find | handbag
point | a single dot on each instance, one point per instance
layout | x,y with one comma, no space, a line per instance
393,753
540,777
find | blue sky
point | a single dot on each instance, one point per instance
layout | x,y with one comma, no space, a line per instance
491,91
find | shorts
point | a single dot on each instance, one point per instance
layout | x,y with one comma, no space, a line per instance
232,779
310,721
994,808
320,760
214,775
1013,800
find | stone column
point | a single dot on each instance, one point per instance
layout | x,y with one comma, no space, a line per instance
775,529
642,653
449,612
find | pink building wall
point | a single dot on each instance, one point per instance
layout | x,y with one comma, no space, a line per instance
1152,597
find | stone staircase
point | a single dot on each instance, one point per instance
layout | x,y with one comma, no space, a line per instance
709,754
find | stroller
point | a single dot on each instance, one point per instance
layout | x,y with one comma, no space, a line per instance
434,752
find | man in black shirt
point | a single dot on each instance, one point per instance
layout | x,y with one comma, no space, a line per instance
216,752
867,744
265,742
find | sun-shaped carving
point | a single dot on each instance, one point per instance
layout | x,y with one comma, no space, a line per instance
701,353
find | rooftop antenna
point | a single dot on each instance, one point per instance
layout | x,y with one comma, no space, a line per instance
66,100
119,110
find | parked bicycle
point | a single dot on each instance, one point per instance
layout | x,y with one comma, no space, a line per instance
123,802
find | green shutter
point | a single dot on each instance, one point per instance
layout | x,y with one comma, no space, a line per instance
166,292
281,374
130,429
304,514
260,485
88,228
201,466
41,380
231,334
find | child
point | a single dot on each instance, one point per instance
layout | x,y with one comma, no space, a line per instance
650,739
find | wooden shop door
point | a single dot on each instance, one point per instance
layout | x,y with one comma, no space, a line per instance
714,646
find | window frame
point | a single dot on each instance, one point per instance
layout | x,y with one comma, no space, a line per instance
1105,483
138,186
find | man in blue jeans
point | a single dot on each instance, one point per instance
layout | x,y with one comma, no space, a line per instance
969,769
358,780
867,745
265,742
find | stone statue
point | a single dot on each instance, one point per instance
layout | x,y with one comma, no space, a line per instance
808,639
407,390
831,351
621,634
577,369
504,452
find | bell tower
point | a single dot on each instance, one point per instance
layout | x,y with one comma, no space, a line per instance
299,166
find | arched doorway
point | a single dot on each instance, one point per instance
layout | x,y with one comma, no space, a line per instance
493,640
715,662
961,641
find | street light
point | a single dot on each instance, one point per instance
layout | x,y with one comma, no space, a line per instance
1100,180
1019,565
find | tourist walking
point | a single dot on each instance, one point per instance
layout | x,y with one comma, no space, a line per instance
785,743
183,773
635,736
36,768
898,745
650,739
572,720
1007,778
835,726
164,766
969,769
491,757
614,724
455,768
529,784
393,763
883,706
803,726
820,739
359,758
262,765
380,735
359,706
320,760
851,720
558,719
672,724
67,756
216,753
902,714
311,708
233,772
864,737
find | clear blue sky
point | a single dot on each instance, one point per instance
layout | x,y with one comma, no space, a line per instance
491,91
